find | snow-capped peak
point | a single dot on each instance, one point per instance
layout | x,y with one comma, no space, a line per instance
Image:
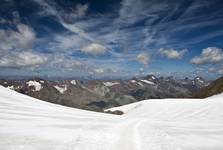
148,82
34,84
199,79
10,87
153,77
73,82
150,78
109,84
133,81
61,89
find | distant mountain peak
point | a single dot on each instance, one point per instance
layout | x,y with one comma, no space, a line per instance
214,88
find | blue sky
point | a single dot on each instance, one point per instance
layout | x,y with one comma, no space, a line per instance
125,38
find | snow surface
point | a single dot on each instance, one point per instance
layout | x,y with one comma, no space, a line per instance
139,83
148,82
133,81
35,84
199,79
153,78
30,124
61,89
109,84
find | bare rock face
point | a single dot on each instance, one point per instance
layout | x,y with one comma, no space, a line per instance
116,112
213,88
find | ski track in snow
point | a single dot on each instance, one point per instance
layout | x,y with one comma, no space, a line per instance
30,124
128,136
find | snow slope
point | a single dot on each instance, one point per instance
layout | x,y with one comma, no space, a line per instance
30,124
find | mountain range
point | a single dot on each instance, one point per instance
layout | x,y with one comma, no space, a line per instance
98,95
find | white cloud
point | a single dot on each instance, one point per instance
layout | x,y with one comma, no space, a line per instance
218,70
143,58
2,52
211,69
98,70
73,65
65,62
172,53
24,37
210,55
94,49
22,59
